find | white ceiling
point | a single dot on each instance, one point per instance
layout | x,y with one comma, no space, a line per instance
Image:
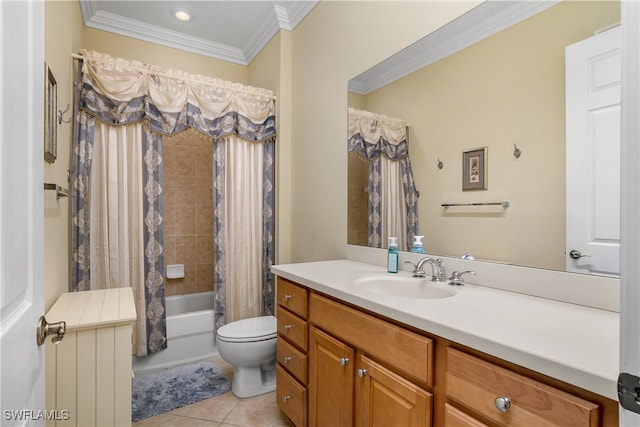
231,30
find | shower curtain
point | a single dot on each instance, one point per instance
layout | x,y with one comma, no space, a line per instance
123,109
393,208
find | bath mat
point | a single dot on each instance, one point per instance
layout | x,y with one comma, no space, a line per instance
173,388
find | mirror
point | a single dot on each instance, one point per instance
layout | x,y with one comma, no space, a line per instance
498,84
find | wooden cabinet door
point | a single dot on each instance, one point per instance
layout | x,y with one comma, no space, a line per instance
384,398
331,374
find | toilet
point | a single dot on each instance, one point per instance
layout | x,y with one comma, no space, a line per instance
250,346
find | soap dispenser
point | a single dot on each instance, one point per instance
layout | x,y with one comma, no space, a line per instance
392,255
417,245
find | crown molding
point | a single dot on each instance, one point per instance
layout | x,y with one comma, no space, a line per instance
286,18
483,21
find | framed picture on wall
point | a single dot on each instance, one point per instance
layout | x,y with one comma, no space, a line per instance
50,123
474,169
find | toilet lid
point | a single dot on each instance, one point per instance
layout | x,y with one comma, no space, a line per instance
253,329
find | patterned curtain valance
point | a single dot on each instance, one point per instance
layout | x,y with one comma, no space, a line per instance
119,92
372,135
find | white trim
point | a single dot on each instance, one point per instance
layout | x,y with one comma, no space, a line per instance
483,21
284,17
117,24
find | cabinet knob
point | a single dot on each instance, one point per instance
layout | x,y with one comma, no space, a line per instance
287,359
286,398
503,403
287,327
287,297
344,361
362,372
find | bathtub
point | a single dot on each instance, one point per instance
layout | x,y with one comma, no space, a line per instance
190,335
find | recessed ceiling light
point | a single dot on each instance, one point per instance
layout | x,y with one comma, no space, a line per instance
182,14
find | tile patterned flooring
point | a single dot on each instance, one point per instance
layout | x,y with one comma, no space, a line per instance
225,410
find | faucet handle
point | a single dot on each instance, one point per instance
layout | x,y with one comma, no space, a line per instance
417,271
456,277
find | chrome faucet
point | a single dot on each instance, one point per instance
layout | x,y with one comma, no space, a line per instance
437,270
456,277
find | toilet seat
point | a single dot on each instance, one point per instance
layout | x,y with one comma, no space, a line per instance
248,330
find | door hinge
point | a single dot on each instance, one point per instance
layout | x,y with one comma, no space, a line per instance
629,392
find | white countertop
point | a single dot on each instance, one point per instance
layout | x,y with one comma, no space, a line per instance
573,343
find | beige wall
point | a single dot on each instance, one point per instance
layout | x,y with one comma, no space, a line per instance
149,53
63,35
505,90
335,42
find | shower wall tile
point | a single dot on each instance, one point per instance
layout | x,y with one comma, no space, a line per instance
205,249
204,220
205,277
185,220
169,219
188,210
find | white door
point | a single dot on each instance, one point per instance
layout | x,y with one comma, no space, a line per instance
593,74
21,210
630,256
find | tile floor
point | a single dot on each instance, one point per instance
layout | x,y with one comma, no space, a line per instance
225,410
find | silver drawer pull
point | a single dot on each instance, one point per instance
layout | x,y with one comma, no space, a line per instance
503,403
287,297
288,327
362,372
287,359
344,361
286,398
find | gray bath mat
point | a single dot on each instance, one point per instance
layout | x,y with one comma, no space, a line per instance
176,387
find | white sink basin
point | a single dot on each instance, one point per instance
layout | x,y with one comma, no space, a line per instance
405,287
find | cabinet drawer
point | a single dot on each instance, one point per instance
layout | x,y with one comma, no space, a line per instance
292,360
456,418
293,296
293,328
406,351
477,384
291,397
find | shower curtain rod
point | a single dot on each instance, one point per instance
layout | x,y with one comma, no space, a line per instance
77,56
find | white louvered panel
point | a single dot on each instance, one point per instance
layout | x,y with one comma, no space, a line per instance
89,372
50,379
86,367
66,375
122,375
106,377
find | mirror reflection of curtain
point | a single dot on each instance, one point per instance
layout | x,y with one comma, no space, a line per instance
392,203
123,109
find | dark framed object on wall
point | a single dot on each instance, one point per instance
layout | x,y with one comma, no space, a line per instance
50,119
474,169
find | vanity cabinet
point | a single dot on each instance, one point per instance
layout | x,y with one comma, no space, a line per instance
502,396
291,350
331,381
365,371
339,365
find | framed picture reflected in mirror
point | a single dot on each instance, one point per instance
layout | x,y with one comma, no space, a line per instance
474,169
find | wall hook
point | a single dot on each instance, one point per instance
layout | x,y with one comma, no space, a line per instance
440,164
61,113
516,152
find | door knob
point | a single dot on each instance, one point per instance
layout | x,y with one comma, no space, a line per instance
45,329
575,254
362,372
